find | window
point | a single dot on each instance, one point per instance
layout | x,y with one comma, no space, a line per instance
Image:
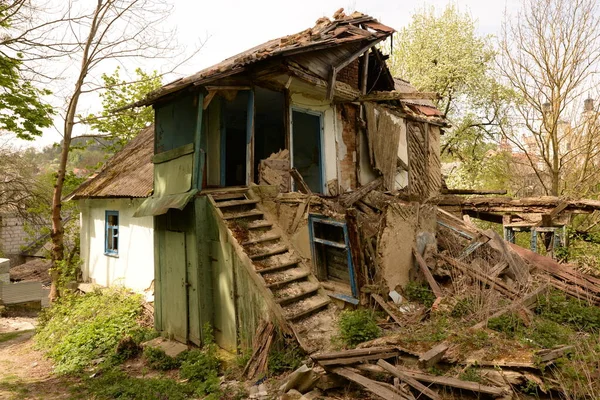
111,233
331,252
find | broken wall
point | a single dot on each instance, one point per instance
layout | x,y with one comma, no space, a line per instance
347,146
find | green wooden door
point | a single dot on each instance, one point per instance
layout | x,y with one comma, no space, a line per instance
175,321
223,296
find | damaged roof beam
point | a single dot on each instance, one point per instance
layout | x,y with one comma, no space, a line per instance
345,63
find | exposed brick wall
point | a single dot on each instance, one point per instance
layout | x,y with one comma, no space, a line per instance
350,74
348,114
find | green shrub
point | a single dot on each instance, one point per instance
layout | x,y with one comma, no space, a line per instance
77,330
286,357
419,292
462,308
157,359
509,323
200,367
561,309
547,334
358,326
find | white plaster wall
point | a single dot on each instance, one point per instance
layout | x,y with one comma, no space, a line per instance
133,267
300,101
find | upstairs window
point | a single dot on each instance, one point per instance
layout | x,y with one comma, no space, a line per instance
111,236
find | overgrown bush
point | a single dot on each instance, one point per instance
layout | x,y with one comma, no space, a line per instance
419,292
358,326
77,330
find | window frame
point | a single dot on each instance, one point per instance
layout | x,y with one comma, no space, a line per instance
109,231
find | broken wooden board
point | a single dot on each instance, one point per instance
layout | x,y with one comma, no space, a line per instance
425,270
370,385
386,308
275,170
355,356
433,355
408,380
301,185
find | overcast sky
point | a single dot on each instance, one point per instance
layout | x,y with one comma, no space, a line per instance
230,27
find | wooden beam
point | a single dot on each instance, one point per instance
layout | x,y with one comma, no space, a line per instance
409,380
331,83
354,353
395,95
425,269
433,355
472,191
208,99
300,183
349,199
456,383
365,73
386,308
370,385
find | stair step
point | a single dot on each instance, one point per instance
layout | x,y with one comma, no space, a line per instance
233,203
279,267
309,311
288,280
268,253
290,299
260,224
261,239
252,213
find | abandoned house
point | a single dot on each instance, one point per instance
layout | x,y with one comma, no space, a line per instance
263,202
115,247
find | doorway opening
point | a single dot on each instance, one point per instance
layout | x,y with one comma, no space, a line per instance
307,147
234,135
269,125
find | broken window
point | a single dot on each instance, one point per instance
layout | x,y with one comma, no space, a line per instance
111,234
331,252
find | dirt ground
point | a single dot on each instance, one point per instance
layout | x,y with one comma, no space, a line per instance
24,372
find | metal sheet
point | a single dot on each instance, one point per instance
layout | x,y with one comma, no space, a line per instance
160,205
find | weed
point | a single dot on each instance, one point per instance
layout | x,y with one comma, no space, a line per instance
419,292
157,359
463,307
547,334
287,357
559,308
509,324
79,329
358,326
471,374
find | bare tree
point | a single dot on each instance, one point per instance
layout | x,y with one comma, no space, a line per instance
115,30
549,54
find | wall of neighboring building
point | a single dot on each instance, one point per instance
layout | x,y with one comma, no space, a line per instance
13,238
133,266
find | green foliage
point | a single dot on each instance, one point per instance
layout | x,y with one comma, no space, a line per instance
288,357
547,334
509,323
358,326
565,310
22,111
115,384
77,330
157,359
419,292
443,53
122,126
463,307
471,374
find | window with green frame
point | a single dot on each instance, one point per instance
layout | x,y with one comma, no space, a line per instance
111,233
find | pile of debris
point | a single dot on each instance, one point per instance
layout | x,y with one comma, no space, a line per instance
465,343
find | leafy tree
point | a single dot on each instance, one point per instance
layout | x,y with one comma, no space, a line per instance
444,54
22,111
120,127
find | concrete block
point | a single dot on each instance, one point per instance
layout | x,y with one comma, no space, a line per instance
5,278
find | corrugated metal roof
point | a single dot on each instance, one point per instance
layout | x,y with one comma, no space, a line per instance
129,173
343,28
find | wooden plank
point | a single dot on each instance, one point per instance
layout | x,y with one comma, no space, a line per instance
300,184
433,355
354,352
425,270
394,95
349,199
456,383
386,308
173,153
208,99
358,359
409,380
370,385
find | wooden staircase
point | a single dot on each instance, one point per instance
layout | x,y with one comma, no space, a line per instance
295,290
